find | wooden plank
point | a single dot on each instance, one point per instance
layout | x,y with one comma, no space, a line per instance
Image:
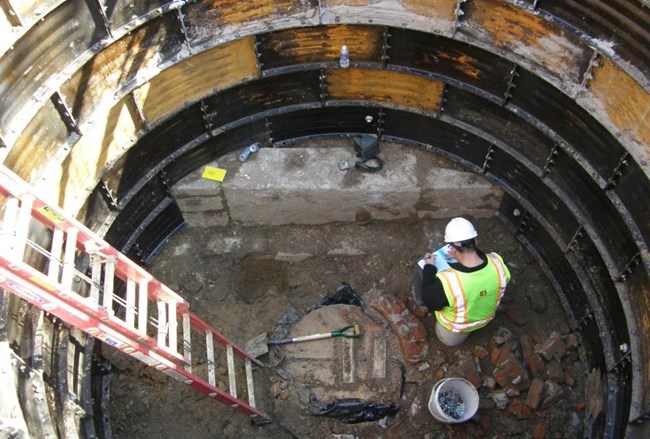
43,137
197,77
539,41
624,103
29,71
101,77
394,89
236,12
70,181
436,16
316,45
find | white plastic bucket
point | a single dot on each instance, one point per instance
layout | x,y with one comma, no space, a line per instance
464,389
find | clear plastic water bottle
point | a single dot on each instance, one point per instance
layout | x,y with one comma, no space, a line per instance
246,153
344,61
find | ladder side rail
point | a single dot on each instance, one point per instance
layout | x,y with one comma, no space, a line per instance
82,310
34,293
44,291
201,326
54,217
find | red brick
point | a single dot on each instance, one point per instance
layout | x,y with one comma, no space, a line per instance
553,347
410,331
511,374
554,371
494,354
520,410
480,352
535,392
526,346
539,431
502,353
536,366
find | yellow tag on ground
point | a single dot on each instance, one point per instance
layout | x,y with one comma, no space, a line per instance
210,173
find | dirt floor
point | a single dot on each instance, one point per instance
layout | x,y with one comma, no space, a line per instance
242,280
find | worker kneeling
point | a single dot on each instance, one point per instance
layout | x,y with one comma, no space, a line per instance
460,283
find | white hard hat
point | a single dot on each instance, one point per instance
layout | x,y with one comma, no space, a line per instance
459,229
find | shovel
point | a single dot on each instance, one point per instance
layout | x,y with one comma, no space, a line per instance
352,331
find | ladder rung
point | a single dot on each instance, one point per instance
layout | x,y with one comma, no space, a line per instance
109,279
54,266
96,278
187,343
209,348
249,382
143,306
162,323
67,273
130,303
172,327
231,371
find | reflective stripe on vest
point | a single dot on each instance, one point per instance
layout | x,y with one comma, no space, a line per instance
455,317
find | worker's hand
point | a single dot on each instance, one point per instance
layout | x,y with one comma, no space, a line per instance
430,258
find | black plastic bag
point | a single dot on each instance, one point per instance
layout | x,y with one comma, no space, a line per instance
344,294
352,410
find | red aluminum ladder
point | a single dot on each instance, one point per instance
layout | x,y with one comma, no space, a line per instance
52,280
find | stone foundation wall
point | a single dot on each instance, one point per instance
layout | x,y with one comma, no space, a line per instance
278,186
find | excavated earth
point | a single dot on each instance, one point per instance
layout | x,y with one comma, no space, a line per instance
243,280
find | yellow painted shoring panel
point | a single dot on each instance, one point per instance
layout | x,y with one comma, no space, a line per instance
625,102
196,77
100,77
44,137
114,132
530,36
443,9
237,12
387,87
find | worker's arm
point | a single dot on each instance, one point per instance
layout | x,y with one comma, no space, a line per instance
433,295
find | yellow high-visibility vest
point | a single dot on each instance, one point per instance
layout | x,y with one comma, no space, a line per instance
473,297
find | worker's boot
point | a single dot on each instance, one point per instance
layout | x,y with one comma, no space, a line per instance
417,309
